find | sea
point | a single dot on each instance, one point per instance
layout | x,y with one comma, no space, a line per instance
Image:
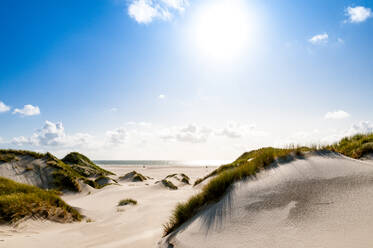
161,163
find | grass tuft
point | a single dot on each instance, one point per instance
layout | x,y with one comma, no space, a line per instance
169,184
127,201
134,176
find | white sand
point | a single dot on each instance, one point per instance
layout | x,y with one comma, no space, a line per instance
324,201
111,226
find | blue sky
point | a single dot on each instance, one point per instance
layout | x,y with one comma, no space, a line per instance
178,79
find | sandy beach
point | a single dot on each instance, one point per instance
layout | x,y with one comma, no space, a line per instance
106,224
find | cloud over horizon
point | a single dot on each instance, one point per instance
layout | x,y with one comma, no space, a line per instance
336,115
53,135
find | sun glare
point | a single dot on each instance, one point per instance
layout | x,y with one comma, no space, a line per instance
221,29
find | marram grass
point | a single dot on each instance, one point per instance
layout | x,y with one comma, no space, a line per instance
19,201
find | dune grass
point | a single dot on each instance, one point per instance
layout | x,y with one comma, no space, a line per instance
8,155
21,152
84,166
184,178
66,176
245,166
18,201
169,184
356,146
127,201
134,176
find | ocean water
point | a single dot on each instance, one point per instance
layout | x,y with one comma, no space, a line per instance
157,163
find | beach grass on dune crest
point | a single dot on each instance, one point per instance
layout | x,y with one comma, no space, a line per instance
356,146
248,164
18,201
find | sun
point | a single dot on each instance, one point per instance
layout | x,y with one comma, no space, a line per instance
221,29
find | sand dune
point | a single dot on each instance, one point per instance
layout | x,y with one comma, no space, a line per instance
324,200
110,226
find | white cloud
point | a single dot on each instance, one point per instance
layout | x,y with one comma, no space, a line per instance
21,141
319,39
161,96
189,134
146,11
358,14
3,107
142,11
113,109
53,135
238,130
117,136
300,138
27,110
176,4
361,127
336,115
324,137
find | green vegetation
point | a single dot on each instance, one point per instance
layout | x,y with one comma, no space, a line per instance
103,181
127,201
356,146
64,177
245,166
169,184
18,201
84,166
14,153
66,174
7,155
217,171
134,176
184,178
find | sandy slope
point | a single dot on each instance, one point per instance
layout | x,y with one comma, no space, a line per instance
322,201
129,226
